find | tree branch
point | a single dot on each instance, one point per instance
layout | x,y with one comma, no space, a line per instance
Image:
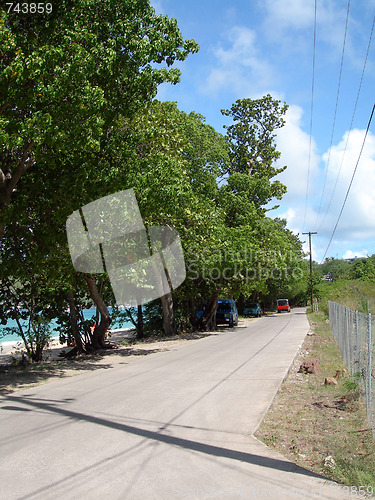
8,181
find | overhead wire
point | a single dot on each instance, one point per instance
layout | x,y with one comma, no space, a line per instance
351,182
335,113
311,117
351,123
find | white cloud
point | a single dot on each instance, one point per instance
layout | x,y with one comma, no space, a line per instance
357,220
294,145
294,223
291,24
239,67
349,254
288,14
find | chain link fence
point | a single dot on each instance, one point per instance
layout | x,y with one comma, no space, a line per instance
354,333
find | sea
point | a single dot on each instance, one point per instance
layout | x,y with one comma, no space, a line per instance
88,314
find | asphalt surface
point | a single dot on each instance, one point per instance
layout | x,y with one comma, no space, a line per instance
176,424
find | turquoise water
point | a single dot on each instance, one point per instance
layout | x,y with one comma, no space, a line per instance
88,313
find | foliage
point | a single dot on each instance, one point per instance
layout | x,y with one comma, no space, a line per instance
352,283
356,294
251,139
80,137
66,79
25,304
336,268
57,93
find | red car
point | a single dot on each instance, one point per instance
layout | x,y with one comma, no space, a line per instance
283,305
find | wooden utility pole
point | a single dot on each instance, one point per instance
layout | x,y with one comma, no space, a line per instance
311,278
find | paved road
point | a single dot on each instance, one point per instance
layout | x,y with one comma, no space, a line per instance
176,424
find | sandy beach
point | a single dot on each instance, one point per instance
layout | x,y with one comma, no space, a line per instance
14,348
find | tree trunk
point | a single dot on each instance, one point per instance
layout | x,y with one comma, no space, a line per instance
139,323
209,315
74,323
98,337
8,181
169,324
140,331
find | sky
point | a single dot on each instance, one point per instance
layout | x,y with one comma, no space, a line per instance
250,48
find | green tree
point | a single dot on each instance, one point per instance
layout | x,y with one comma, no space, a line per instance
251,139
179,158
364,268
65,81
257,251
66,77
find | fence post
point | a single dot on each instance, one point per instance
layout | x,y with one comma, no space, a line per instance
356,361
345,340
349,342
369,395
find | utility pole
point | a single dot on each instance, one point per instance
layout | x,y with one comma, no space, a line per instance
311,278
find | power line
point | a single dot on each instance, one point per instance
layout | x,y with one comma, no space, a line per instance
311,117
335,113
311,275
351,181
351,123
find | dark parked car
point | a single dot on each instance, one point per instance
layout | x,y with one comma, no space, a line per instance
227,312
253,309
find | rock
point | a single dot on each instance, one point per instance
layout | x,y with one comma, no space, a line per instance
340,373
309,366
329,463
330,381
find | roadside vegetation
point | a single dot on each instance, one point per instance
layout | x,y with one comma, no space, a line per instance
324,428
350,283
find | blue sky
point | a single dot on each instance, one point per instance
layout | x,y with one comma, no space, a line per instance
249,48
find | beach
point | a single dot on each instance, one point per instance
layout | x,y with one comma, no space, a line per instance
14,348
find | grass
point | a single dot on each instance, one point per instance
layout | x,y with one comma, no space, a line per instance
356,294
321,427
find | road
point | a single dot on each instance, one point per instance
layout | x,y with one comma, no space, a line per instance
175,424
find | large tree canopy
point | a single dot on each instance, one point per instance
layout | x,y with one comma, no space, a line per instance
251,139
65,77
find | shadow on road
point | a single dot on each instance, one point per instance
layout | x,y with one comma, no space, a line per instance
208,449
16,377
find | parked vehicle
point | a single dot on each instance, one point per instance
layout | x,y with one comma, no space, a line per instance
252,309
283,305
227,312
200,310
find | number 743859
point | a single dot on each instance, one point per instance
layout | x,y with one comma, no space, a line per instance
29,8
